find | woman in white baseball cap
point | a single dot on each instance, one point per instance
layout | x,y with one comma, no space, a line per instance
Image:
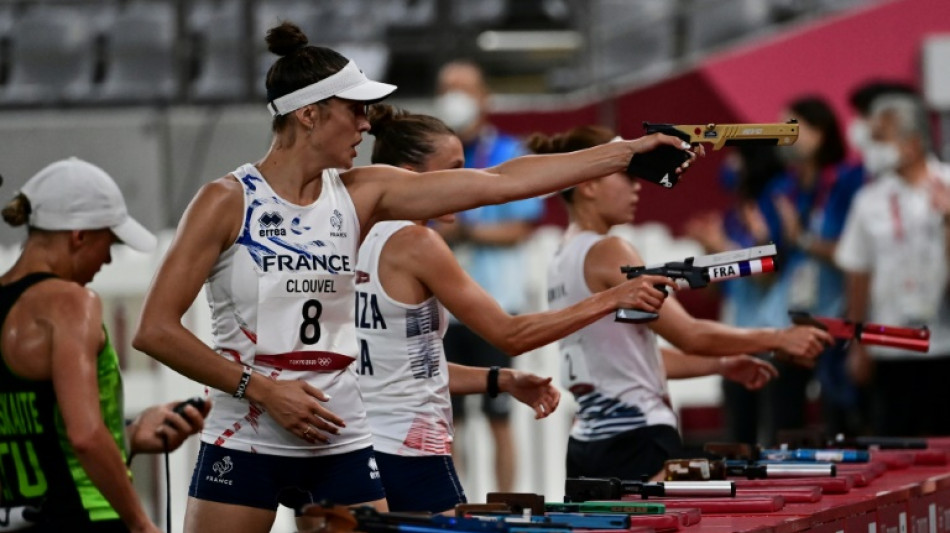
276,244
60,388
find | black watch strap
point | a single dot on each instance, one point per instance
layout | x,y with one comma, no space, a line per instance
492,388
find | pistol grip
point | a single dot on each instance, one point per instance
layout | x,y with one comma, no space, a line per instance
637,316
658,165
634,316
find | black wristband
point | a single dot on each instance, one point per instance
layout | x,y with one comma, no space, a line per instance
242,385
492,388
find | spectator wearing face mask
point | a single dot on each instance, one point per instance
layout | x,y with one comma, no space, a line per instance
488,242
751,174
894,249
811,202
873,157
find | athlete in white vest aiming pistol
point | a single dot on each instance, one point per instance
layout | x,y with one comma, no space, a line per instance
626,427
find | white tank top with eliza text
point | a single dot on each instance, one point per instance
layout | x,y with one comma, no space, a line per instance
402,368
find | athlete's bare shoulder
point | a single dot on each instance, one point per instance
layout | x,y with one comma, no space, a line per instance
603,262
366,185
419,241
51,308
216,209
226,190
372,173
613,249
414,247
59,297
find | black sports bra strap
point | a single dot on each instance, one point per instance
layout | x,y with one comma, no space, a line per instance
11,292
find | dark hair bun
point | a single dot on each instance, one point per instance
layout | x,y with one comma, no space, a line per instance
17,212
285,39
572,140
381,117
540,143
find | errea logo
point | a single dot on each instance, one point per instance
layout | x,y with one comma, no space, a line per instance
336,222
270,222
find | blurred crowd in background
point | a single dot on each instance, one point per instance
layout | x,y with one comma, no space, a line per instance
860,214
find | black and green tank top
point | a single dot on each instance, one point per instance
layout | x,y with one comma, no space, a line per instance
39,469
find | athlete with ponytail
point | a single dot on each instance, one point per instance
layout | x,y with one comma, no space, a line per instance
65,444
626,426
275,243
406,279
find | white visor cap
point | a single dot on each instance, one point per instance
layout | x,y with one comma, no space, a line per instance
349,83
73,194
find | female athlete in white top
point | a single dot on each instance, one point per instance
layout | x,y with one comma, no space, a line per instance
626,427
276,243
405,274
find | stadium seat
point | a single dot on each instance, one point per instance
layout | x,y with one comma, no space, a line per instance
353,21
6,19
715,22
220,54
409,13
141,63
466,13
632,36
372,58
52,56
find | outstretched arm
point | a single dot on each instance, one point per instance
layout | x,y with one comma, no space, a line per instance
690,334
534,391
708,337
388,193
749,371
428,259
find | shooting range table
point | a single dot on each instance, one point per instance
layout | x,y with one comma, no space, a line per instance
898,492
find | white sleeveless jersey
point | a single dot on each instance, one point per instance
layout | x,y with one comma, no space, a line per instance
614,370
402,368
281,302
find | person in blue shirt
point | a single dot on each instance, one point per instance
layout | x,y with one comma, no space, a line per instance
749,173
800,204
810,205
488,242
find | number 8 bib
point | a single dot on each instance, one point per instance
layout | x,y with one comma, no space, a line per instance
305,321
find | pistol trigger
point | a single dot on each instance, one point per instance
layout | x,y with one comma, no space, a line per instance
663,289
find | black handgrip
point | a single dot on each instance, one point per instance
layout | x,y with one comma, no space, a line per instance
634,316
637,316
197,402
658,165
804,318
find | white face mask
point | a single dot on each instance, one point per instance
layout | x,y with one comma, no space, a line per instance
859,134
457,109
880,157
